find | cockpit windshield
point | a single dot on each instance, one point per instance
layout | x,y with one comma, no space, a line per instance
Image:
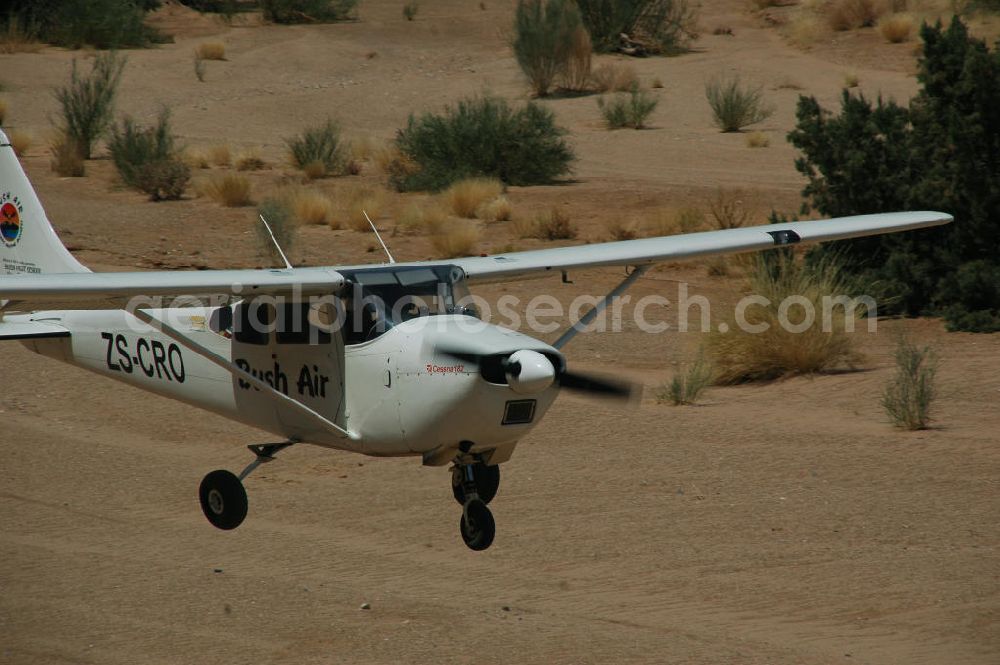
379,298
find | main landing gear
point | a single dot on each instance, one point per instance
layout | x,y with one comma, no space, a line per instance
223,497
474,485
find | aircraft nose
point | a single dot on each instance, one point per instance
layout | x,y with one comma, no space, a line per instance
529,372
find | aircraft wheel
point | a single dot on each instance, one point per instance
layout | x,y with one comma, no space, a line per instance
477,525
487,482
223,499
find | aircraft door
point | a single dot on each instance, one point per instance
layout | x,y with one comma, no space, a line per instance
253,350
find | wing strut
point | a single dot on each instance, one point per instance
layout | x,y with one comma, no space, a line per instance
591,314
230,367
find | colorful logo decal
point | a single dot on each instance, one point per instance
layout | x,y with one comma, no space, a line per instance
10,224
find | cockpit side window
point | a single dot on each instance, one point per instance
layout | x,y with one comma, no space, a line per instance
295,326
253,321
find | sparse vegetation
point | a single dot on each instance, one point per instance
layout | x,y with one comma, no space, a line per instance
283,226
757,140
852,14
466,196
146,158
307,11
455,238
908,395
410,10
662,26
780,338
481,137
614,77
687,385
211,51
67,159
319,151
735,106
731,208
87,103
232,190
543,39
896,28
631,110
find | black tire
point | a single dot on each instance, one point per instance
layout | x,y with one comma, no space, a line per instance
223,499
480,529
487,482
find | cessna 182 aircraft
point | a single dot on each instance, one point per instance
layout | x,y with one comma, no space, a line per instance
341,357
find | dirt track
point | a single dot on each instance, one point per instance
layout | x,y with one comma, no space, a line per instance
787,523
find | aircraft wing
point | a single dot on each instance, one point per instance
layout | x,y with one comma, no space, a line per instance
691,245
30,330
96,285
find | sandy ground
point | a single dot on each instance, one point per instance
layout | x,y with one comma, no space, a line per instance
786,523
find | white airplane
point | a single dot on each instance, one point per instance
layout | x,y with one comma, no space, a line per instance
376,359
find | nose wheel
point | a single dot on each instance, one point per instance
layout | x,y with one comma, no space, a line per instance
474,485
222,495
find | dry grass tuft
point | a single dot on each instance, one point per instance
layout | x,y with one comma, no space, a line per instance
362,148
732,208
229,189
576,73
497,210
851,80
195,158
456,238
805,29
352,203
465,196
67,158
852,14
417,219
619,230
908,396
896,28
780,338
220,155
656,83
314,170
757,140
309,206
553,225
686,386
614,77
211,51
20,141
667,222
250,160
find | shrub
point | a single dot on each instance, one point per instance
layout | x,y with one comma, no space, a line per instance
896,28
67,159
103,24
731,208
908,395
553,225
740,354
576,72
757,140
18,34
146,159
230,189
851,14
735,106
686,386
410,10
481,137
307,11
319,148
20,141
465,196
543,39
455,239
618,230
614,77
87,103
211,51
629,110
279,218
664,26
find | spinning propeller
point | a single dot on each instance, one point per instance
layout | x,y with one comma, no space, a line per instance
528,372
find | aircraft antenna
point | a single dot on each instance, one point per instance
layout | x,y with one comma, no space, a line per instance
275,241
391,260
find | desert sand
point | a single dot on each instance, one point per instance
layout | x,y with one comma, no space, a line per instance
783,523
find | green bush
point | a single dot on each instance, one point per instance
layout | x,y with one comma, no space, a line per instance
940,153
307,11
629,110
87,103
543,39
735,106
146,159
665,26
909,393
319,146
482,137
98,23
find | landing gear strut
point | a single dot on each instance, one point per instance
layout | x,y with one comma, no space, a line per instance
474,485
223,497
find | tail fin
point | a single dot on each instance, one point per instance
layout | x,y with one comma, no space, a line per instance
28,243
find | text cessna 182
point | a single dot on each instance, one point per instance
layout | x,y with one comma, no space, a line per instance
341,357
